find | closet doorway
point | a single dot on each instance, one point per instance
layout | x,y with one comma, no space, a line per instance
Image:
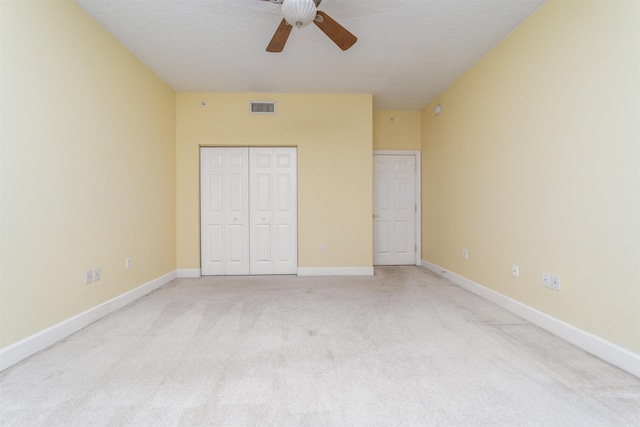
248,210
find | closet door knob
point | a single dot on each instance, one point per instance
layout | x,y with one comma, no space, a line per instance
263,218
235,218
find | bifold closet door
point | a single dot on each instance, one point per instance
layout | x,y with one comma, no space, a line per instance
273,205
224,211
248,211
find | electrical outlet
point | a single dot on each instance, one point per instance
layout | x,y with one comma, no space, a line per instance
515,270
321,246
546,280
465,254
555,283
127,263
97,274
88,277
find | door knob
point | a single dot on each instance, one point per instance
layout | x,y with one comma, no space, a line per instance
263,218
375,216
235,218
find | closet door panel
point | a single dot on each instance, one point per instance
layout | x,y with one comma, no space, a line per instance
224,180
261,184
263,194
215,244
236,203
263,247
283,243
211,213
285,211
273,211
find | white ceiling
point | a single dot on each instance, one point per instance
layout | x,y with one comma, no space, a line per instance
408,51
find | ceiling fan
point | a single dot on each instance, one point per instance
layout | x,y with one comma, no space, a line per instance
300,13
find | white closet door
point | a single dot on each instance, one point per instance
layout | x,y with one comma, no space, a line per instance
394,201
274,216
224,216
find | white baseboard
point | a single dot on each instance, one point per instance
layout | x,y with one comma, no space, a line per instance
335,271
187,273
595,345
20,350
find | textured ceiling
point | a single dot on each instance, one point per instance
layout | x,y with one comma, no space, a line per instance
408,51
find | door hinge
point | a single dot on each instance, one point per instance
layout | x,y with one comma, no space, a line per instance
416,208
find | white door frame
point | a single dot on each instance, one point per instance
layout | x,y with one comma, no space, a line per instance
416,154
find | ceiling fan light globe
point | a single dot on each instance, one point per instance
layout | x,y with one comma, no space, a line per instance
299,13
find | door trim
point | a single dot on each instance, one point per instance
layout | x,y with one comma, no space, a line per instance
416,154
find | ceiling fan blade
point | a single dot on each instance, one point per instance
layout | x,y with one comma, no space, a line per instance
280,37
336,32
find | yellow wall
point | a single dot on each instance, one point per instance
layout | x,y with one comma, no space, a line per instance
535,161
396,130
333,134
88,167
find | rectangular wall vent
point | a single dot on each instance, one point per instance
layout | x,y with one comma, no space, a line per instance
263,107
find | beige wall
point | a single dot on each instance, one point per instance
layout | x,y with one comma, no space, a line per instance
88,167
396,130
535,161
333,134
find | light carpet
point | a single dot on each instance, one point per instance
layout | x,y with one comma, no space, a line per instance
402,348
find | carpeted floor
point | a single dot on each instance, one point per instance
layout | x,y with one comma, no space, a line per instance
402,348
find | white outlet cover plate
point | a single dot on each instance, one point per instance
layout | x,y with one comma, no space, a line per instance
546,279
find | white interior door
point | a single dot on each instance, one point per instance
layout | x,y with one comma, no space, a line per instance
273,218
249,219
224,216
394,212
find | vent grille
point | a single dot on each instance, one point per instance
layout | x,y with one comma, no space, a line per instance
263,107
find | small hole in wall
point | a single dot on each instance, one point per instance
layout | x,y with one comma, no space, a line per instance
203,103
391,119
